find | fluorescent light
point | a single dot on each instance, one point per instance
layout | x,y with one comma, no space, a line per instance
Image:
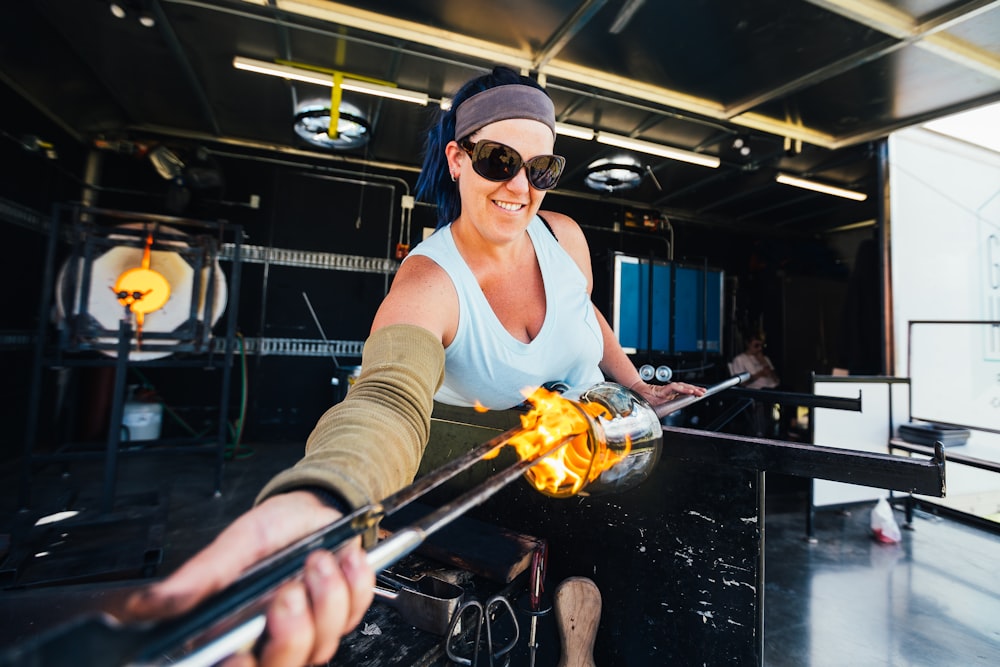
564,130
658,149
820,187
323,79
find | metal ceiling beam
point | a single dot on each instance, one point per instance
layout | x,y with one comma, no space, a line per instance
42,107
816,76
686,216
813,213
272,148
180,57
467,47
876,15
930,34
736,196
885,130
565,32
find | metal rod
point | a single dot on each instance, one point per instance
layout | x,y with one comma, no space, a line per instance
399,544
669,407
234,617
882,471
800,399
336,364
250,619
440,475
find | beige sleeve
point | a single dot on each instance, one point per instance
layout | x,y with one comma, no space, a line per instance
369,445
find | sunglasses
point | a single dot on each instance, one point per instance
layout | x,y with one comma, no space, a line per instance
496,162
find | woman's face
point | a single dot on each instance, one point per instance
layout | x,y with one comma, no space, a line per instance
501,211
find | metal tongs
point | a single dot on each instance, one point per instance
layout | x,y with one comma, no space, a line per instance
234,618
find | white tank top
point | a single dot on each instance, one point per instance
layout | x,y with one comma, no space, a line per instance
484,363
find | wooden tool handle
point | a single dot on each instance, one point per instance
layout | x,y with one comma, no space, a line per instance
578,610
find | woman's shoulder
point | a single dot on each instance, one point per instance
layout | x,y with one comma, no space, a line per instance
420,269
422,293
566,230
561,224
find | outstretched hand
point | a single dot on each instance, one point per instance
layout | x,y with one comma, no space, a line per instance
656,394
308,616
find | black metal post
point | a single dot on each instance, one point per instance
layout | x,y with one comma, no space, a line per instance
117,412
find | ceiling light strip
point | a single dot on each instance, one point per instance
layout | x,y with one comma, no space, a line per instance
321,79
658,149
575,131
381,24
820,187
594,78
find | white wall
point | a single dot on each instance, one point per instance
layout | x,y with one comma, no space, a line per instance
945,226
945,245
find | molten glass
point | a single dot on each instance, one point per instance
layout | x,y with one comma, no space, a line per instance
613,440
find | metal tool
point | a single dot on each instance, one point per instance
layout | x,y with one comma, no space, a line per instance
425,602
483,615
536,579
235,617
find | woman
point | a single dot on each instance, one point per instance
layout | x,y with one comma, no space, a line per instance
496,302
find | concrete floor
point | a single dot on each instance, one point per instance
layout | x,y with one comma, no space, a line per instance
932,600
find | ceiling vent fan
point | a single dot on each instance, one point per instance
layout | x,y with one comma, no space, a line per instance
614,174
312,124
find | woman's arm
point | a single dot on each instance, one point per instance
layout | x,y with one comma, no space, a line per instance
615,364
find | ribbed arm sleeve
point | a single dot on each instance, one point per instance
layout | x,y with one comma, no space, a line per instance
370,444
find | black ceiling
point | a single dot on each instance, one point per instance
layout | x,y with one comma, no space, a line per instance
809,85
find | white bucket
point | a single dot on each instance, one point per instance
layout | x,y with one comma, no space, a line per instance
142,420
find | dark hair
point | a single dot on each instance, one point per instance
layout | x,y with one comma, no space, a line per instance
434,185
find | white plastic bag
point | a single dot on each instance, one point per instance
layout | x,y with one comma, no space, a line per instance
884,526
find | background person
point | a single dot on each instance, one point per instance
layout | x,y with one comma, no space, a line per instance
762,376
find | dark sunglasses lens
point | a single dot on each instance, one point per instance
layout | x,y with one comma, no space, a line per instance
495,162
544,171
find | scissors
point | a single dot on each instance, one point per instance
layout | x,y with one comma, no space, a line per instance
481,615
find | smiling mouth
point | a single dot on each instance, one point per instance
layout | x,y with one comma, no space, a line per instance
508,206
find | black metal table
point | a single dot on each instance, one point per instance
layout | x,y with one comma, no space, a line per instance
679,560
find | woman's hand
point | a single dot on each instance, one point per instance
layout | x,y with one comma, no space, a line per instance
307,617
656,394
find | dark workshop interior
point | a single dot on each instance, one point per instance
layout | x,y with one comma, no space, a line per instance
683,125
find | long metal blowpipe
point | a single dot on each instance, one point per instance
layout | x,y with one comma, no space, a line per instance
249,622
233,619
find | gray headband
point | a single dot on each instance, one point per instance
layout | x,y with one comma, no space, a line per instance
502,103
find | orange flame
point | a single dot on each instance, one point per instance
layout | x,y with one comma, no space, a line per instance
552,419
